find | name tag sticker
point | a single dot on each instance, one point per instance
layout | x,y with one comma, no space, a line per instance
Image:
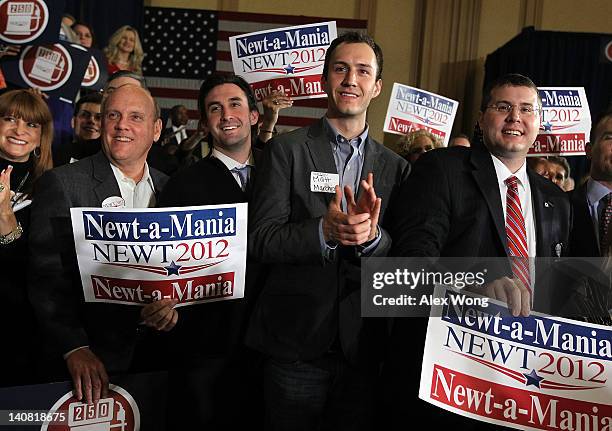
324,182
113,202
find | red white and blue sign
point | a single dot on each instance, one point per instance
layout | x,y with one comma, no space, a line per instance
565,122
536,372
136,256
412,109
287,59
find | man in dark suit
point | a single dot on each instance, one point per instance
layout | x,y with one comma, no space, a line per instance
208,366
458,203
589,201
93,338
322,356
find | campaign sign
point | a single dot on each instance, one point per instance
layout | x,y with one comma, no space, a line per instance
26,21
136,256
56,70
566,122
96,73
287,59
134,402
536,372
411,109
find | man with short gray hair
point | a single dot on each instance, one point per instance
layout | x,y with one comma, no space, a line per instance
93,338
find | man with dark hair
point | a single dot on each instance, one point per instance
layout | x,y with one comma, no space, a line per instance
483,202
204,366
593,200
558,170
460,140
86,130
315,212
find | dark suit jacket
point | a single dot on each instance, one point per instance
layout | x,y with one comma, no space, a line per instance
583,238
307,303
54,281
451,207
208,182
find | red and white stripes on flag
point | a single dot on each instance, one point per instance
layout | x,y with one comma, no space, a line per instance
175,90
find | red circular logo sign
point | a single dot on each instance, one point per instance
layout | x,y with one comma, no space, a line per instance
92,74
117,411
46,67
608,51
22,21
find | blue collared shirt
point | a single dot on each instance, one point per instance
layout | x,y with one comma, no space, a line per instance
341,149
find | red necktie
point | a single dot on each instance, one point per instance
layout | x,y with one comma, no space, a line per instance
516,233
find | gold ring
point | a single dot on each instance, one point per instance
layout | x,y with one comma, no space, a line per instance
2,187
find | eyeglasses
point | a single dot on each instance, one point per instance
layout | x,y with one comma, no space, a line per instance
506,108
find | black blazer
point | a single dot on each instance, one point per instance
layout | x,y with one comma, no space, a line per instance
307,303
214,329
451,206
583,238
54,281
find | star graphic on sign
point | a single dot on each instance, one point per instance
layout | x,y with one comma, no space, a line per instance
533,379
547,126
173,268
289,69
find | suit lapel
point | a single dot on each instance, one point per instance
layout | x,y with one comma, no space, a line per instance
102,172
543,216
321,153
486,180
372,162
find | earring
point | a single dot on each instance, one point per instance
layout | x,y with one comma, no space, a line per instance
36,152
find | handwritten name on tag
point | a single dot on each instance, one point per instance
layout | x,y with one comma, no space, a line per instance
324,182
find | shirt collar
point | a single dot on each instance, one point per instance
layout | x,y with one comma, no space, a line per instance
119,176
231,163
333,135
596,191
503,173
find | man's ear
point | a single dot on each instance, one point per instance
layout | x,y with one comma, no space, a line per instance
377,88
202,127
253,117
588,148
324,84
157,128
72,122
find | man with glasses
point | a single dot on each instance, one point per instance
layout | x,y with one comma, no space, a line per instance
85,124
483,202
455,203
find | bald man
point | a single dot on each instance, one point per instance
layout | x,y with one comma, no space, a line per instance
90,340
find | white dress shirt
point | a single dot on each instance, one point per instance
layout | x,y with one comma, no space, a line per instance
141,195
180,136
232,164
524,192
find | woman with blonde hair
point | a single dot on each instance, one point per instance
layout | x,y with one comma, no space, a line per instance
26,132
124,51
415,143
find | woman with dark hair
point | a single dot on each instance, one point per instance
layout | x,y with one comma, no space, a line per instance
26,131
85,34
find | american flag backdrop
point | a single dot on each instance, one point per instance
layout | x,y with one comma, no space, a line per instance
183,46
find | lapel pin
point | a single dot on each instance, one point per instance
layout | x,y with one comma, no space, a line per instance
548,204
558,249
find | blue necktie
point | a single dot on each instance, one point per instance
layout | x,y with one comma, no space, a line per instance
243,175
